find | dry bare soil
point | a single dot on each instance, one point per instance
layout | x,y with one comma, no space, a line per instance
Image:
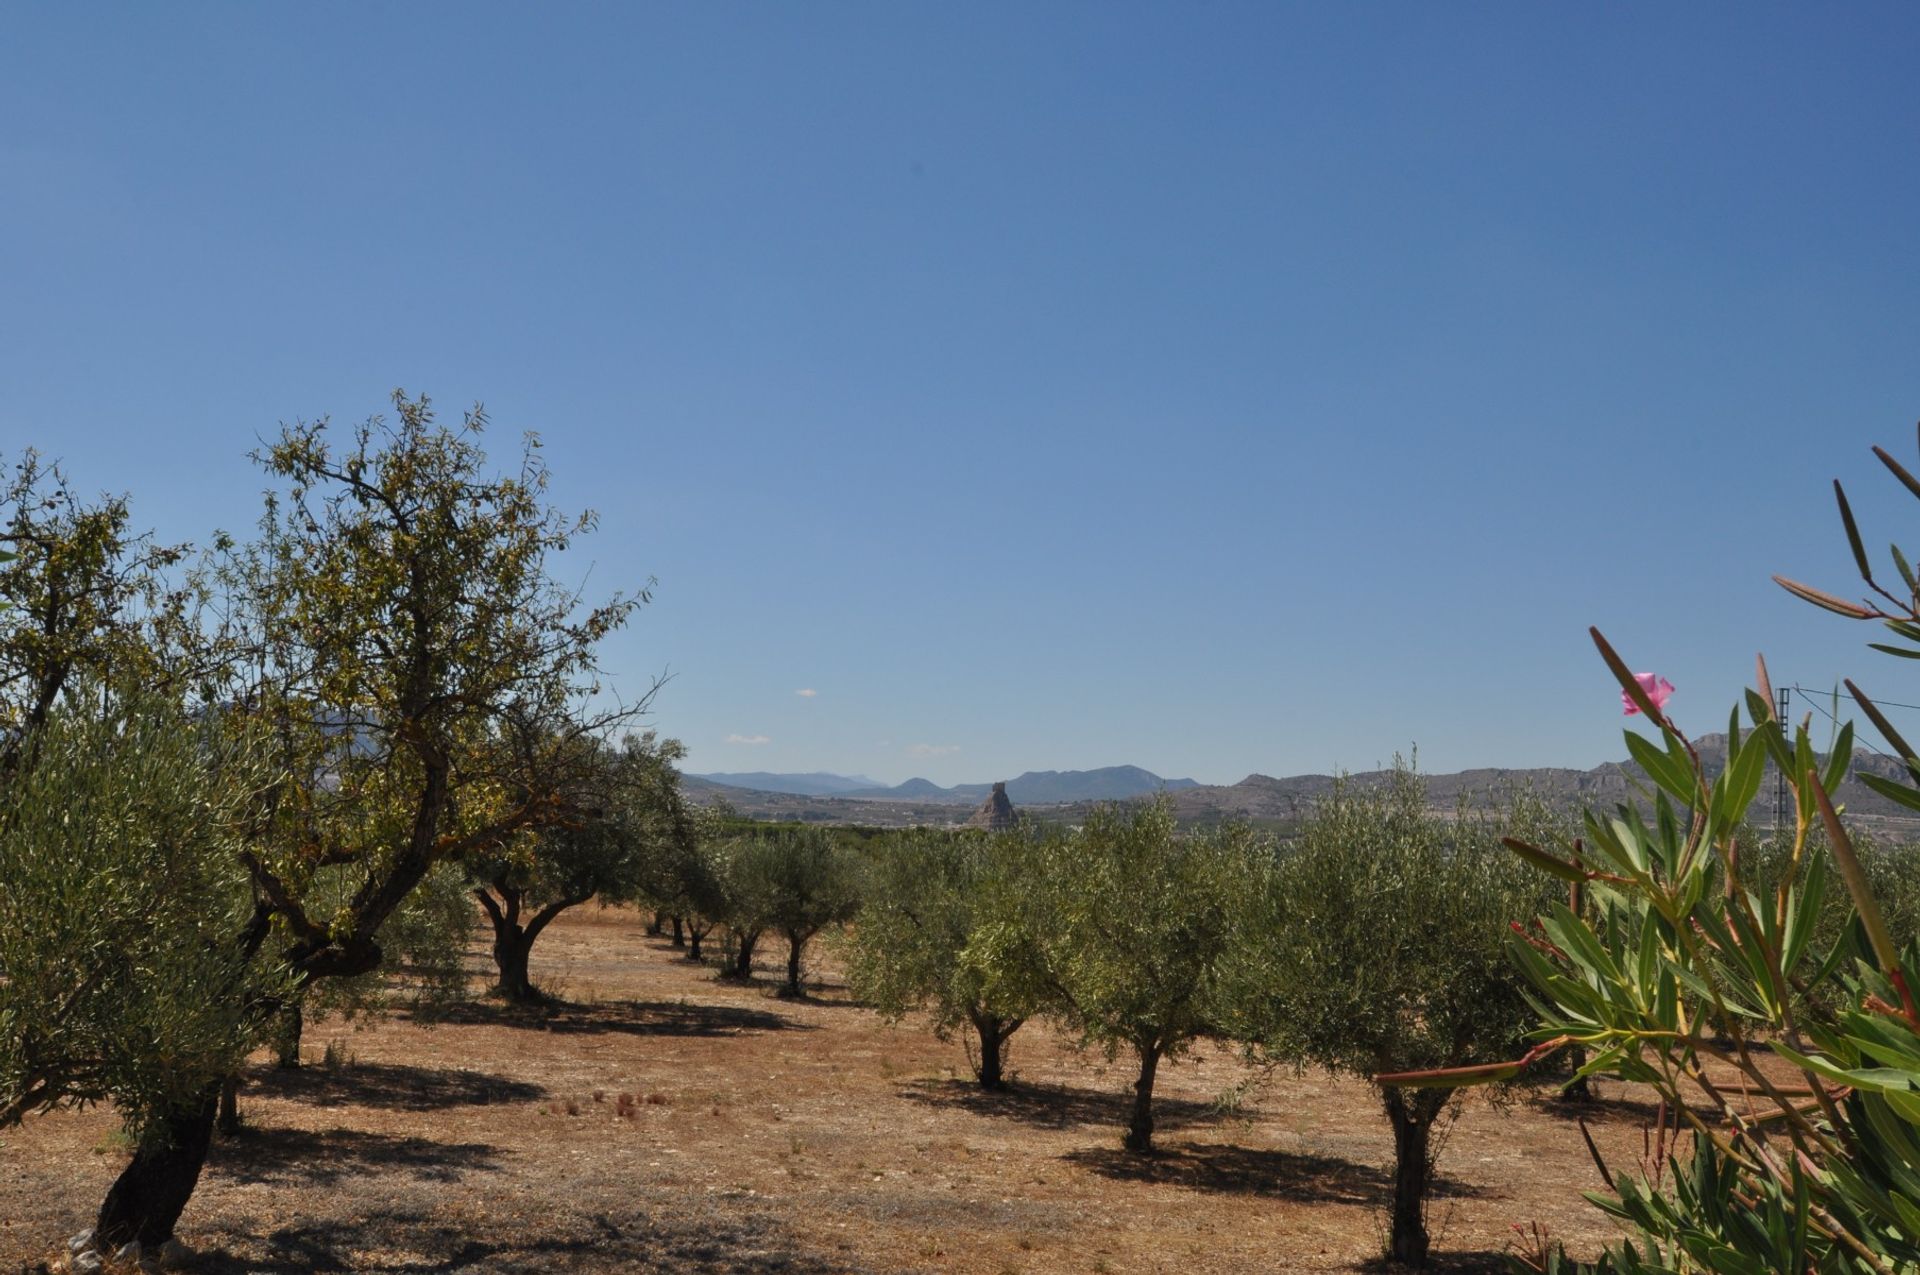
663,1120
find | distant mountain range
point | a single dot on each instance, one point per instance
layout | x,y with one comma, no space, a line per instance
1035,788
1258,798
813,784
1262,797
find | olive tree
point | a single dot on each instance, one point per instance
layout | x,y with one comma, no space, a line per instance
121,815
1383,949
938,931
609,851
1133,924
393,620
793,880
120,851
687,880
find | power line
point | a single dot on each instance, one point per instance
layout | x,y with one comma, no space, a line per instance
1879,703
1826,713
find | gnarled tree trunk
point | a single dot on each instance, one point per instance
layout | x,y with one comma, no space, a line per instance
146,1200
227,1123
511,953
513,942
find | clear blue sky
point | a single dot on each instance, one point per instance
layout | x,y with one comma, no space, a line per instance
1216,388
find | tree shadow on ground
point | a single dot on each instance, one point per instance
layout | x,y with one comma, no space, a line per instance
818,995
416,1242
392,1086
1222,1168
633,1018
1478,1262
1054,1106
1615,1110
770,980
329,1156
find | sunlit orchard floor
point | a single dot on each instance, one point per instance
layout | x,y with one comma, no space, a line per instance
773,1136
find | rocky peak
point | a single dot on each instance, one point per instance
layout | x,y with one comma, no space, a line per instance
995,813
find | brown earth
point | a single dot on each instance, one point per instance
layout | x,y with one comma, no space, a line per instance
663,1120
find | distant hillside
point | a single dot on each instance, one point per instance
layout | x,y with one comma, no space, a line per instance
816,784
1038,787
1262,797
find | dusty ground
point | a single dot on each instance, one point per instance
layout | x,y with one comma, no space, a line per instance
766,1136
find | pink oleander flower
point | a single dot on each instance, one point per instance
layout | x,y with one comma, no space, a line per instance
1658,689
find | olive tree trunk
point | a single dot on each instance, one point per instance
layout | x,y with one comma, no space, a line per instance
796,944
227,1123
993,1033
293,1025
743,944
146,1200
513,942
1412,1113
1139,1139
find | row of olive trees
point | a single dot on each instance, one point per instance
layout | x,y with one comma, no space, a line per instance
1374,941
225,782
755,881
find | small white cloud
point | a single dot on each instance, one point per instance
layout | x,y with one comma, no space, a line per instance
806,692
931,750
749,739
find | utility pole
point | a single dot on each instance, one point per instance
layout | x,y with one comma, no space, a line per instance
1780,776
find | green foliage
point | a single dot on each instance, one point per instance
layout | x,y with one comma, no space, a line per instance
421,683
1383,946
792,879
630,818
85,601
120,976
1698,970
1132,925
1892,873
1702,967
939,931
396,625
425,944
631,823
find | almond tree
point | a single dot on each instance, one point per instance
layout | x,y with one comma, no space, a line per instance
392,624
86,602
